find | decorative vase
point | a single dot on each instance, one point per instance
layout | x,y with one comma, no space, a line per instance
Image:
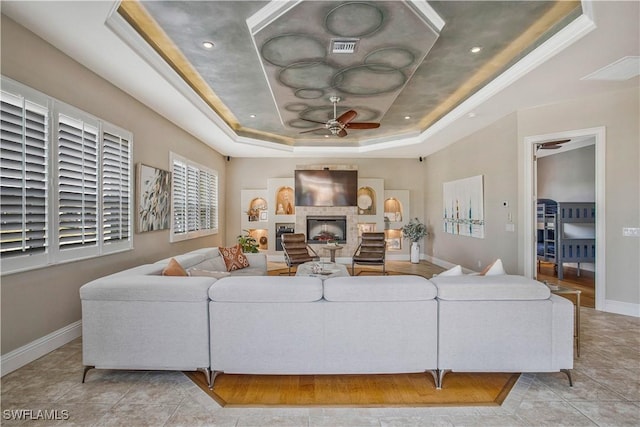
415,253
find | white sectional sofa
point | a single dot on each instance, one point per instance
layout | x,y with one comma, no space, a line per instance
258,324
139,319
348,325
502,323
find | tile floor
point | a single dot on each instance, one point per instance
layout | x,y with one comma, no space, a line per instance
606,393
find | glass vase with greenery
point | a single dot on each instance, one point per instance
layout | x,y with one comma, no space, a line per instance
414,230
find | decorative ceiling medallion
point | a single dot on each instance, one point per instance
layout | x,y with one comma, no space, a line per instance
354,19
369,79
300,74
295,107
324,113
287,49
309,93
395,57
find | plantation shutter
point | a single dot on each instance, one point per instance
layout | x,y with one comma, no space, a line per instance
179,197
116,187
23,177
194,200
77,183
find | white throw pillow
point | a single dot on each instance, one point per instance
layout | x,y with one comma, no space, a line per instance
195,272
453,271
494,269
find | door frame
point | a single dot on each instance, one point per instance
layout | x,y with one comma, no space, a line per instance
529,203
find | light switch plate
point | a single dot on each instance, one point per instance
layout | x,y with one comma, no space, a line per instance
631,231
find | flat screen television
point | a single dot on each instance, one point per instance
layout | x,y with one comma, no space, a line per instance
326,187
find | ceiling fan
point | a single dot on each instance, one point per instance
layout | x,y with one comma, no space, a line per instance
339,125
552,145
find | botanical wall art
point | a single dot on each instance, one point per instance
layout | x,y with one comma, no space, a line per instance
154,206
463,211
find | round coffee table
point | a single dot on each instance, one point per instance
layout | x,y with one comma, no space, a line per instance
329,269
332,249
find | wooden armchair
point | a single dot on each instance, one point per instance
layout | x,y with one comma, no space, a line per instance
296,250
370,251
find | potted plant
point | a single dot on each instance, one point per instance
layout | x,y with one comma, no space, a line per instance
248,243
414,230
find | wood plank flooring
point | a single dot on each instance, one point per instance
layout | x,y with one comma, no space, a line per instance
585,282
460,389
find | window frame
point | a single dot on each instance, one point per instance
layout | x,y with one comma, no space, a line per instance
175,236
53,254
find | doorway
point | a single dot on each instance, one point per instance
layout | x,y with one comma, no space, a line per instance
531,145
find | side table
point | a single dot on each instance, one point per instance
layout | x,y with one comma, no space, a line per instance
563,291
332,249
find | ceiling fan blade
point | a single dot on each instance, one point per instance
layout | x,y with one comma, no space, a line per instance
550,147
347,117
342,133
551,143
313,121
363,125
312,130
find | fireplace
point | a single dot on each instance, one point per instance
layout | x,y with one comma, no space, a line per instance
320,229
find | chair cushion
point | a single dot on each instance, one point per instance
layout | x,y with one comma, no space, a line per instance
266,289
496,288
379,288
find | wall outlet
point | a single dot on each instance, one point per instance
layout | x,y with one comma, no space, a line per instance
631,231
510,227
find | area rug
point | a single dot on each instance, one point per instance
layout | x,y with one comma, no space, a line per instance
359,272
389,390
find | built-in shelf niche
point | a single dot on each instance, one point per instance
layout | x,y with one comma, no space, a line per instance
394,239
366,201
257,210
261,236
393,211
285,202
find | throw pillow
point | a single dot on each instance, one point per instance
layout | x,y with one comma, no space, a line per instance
453,271
233,257
494,269
197,272
174,268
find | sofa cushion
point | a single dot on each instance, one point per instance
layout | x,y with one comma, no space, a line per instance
266,289
187,260
174,268
233,257
495,288
379,288
453,271
197,272
494,269
147,288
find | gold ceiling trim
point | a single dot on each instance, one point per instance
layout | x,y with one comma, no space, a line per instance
142,22
557,12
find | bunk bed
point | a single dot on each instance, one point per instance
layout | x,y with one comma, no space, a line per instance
565,233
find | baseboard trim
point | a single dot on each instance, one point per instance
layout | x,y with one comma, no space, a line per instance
28,353
625,308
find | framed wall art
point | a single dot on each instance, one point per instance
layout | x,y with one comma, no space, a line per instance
154,198
463,210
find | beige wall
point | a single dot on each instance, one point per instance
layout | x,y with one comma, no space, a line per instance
38,302
490,152
569,176
618,112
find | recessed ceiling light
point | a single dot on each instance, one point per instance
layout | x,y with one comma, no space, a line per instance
253,116
475,49
326,136
207,45
471,115
407,117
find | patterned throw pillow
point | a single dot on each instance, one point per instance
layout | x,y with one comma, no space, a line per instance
174,268
233,257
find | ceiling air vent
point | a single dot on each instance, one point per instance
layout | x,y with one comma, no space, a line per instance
343,46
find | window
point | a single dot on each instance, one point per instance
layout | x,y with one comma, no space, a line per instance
194,200
65,182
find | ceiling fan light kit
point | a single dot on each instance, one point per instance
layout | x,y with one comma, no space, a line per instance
338,125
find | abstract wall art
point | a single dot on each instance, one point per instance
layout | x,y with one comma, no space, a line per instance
463,210
154,202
